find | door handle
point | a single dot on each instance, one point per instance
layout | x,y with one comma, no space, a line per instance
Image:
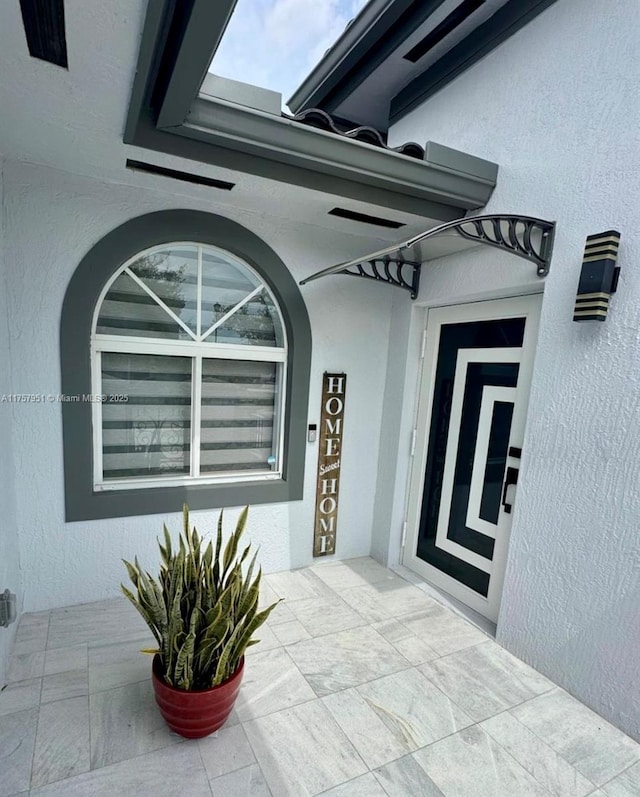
510,478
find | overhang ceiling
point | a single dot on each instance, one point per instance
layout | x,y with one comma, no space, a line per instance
74,119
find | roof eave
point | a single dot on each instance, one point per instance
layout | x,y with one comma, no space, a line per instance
353,43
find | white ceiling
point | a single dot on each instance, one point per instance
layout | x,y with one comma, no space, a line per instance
73,120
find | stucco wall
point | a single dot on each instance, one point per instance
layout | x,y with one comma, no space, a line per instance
53,218
9,560
557,107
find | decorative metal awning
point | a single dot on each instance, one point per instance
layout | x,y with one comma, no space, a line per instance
400,265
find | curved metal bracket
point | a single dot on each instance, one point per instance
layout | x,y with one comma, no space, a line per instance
398,272
400,265
512,234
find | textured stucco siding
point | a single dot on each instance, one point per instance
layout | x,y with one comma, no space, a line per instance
52,219
557,107
9,558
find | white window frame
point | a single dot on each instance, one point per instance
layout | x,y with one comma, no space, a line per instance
197,351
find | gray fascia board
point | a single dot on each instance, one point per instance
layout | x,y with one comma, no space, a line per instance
504,23
354,43
207,23
177,142
283,140
155,21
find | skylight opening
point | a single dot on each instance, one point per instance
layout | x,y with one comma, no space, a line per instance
274,44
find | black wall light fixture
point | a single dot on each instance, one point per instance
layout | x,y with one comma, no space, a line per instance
598,276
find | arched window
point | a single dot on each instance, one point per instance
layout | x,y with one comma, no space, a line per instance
197,369
189,356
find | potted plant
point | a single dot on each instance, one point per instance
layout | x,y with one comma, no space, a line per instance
203,611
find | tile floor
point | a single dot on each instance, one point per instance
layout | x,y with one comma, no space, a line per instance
362,686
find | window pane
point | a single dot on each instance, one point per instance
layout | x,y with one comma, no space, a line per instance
224,284
149,433
257,322
172,275
129,310
238,406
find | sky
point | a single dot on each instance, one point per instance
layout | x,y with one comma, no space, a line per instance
276,43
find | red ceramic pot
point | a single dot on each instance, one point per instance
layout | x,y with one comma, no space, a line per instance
198,713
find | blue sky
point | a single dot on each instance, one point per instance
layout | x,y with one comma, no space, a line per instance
276,43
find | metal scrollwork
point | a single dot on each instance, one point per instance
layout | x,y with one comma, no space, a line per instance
516,238
391,272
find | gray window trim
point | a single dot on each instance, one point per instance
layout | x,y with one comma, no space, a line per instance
98,265
169,114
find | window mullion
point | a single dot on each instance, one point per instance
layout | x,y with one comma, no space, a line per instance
199,296
196,415
96,415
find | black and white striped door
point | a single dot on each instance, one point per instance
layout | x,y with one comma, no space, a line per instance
471,415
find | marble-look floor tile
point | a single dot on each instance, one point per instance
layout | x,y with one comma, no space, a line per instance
625,785
20,696
406,778
546,766
271,682
302,750
281,613
17,740
471,763
485,679
593,746
364,786
392,630
267,640
225,751
350,573
295,585
64,659
291,632
114,620
325,616
375,742
348,658
247,782
388,599
413,709
415,650
443,630
31,635
119,663
62,685
24,666
62,741
126,722
162,774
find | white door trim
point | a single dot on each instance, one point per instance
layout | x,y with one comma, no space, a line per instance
518,307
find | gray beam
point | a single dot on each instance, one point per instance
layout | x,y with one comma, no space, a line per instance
285,141
327,181
155,30
204,27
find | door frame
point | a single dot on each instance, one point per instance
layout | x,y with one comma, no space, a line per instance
528,306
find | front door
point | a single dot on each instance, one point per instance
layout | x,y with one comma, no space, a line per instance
472,407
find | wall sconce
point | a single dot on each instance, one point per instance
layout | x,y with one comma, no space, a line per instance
598,276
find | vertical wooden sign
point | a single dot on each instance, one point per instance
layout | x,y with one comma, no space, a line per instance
329,460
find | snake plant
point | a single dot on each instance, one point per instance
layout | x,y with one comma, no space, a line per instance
203,607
